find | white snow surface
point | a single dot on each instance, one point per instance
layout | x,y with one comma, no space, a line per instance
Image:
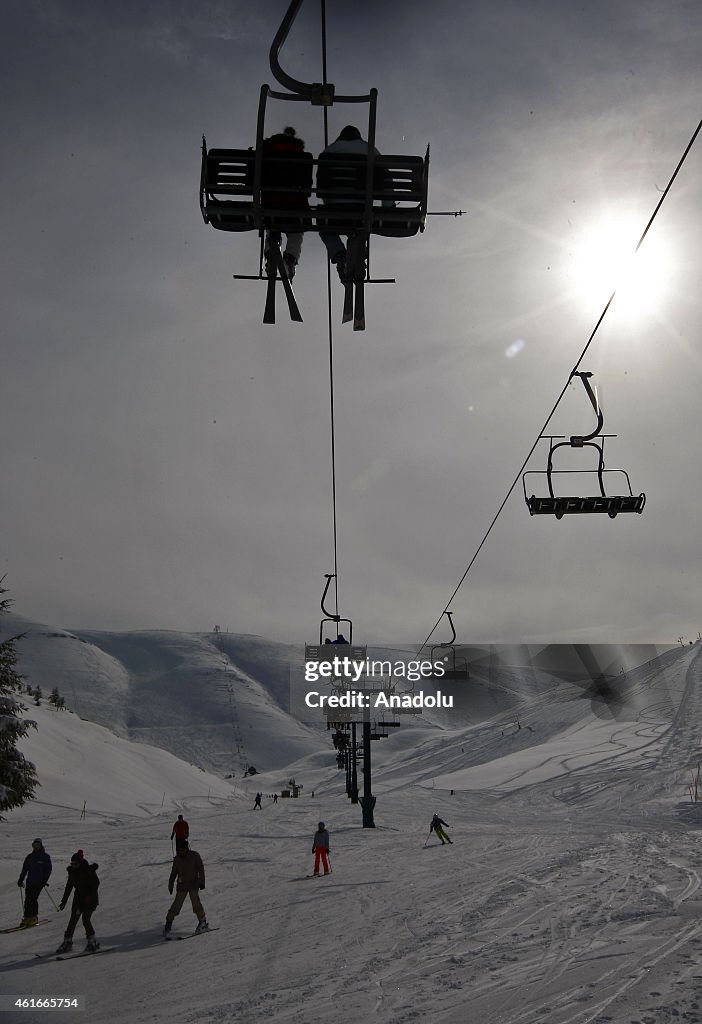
570,895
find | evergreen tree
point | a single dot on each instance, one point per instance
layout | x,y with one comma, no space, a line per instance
18,777
56,699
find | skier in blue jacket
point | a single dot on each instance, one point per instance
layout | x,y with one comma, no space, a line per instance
36,870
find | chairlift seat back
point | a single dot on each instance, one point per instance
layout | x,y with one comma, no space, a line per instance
398,200
226,190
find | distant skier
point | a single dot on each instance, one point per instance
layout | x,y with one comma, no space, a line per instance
257,802
83,882
320,849
180,831
275,798
437,826
188,872
36,869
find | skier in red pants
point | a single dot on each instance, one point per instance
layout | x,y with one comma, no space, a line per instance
320,849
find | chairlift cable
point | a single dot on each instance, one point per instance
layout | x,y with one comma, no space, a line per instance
573,372
330,328
330,331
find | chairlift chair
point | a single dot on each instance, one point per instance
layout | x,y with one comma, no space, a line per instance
247,189
455,670
560,505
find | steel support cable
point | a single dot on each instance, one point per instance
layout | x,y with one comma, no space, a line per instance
330,330
595,329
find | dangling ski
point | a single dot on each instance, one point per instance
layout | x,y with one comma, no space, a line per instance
359,307
348,302
269,311
354,289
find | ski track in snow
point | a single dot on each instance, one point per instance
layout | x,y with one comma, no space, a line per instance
573,899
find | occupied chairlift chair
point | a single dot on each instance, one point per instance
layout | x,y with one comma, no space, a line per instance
357,195
341,646
559,506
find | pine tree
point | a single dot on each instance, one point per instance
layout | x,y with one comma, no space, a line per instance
56,699
18,777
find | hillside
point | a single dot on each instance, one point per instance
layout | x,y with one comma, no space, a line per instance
216,701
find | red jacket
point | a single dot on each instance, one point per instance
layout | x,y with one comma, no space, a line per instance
181,830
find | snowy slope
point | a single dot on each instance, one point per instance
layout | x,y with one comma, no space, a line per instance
571,893
80,764
193,694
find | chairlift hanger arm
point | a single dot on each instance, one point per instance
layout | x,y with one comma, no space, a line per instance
577,440
330,615
321,94
449,616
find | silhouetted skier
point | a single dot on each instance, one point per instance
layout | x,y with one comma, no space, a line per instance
437,826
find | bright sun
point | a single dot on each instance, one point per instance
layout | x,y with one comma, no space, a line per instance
605,260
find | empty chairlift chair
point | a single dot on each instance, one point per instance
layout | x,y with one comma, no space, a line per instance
561,505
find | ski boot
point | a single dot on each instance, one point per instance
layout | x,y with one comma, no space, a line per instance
65,947
92,945
167,927
29,922
341,268
290,264
202,926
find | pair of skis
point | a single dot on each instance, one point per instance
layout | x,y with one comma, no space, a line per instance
354,305
278,271
84,952
70,955
354,287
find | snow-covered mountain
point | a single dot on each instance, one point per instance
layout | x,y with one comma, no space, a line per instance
214,699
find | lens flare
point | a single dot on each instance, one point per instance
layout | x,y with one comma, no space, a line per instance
606,261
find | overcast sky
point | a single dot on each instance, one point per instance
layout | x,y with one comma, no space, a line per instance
166,457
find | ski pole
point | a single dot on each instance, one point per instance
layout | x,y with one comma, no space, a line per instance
427,840
50,896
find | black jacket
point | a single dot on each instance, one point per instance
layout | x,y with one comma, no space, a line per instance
83,882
